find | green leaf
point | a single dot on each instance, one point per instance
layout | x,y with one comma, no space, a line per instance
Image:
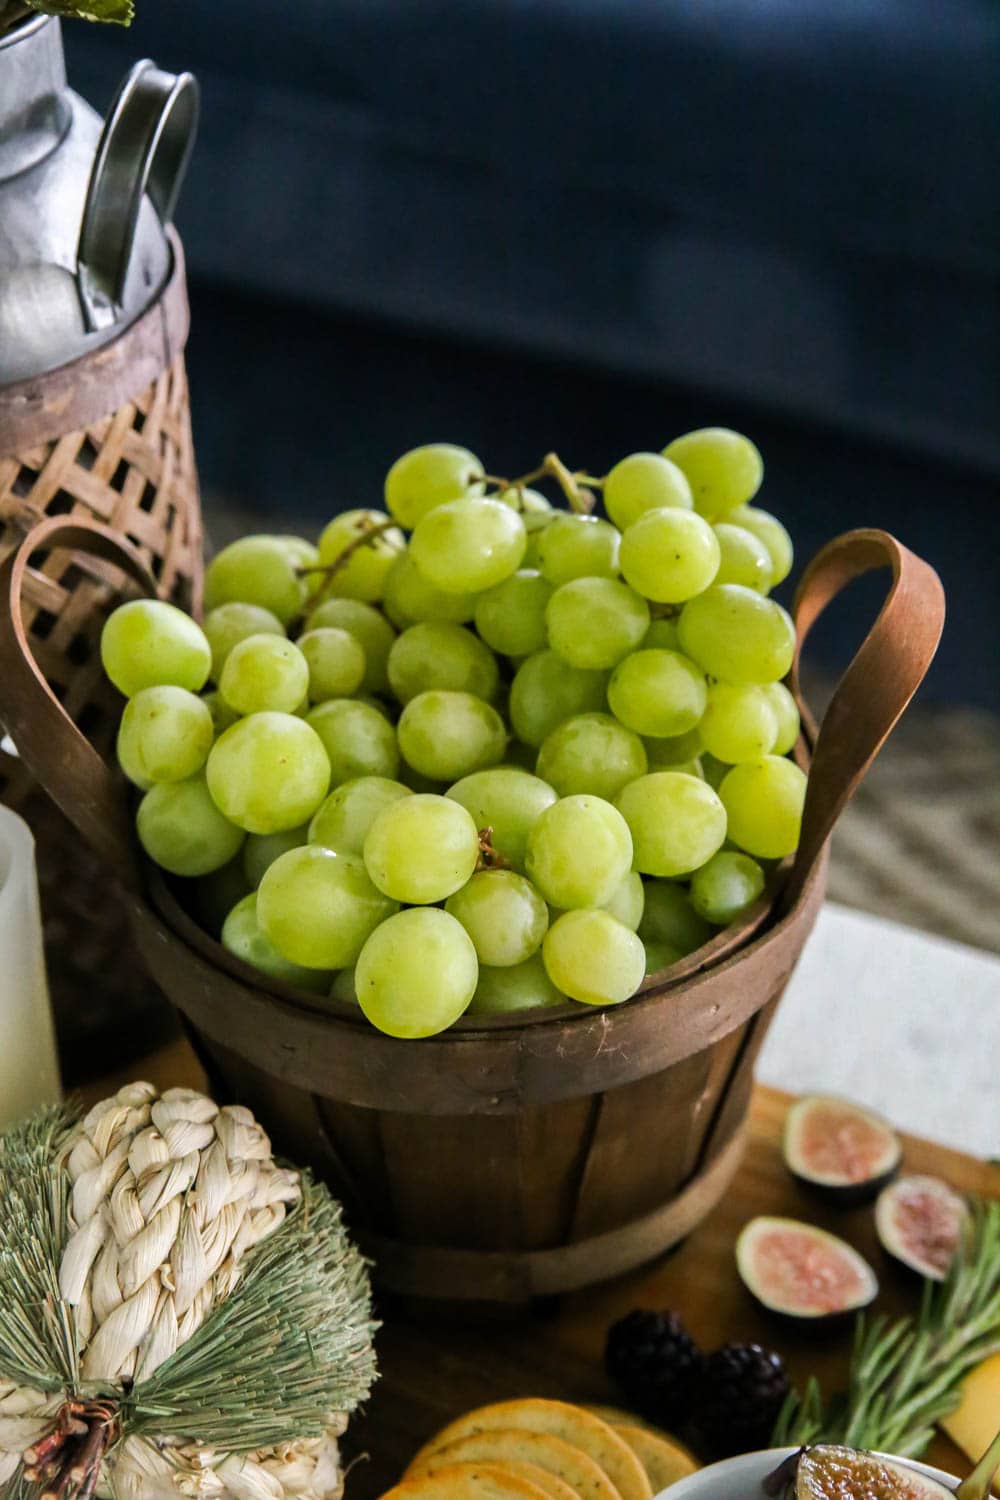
119,11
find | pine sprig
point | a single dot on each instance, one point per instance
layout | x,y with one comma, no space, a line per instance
276,1359
38,1342
906,1375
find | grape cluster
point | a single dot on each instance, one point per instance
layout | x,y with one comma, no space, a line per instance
527,755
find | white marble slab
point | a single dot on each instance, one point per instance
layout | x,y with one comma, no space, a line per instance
905,1023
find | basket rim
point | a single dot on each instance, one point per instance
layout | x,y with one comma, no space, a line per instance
727,943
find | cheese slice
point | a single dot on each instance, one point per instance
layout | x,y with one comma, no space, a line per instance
973,1424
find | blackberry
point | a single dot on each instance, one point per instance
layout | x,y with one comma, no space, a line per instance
655,1363
741,1391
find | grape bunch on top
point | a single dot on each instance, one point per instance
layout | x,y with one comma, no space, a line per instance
521,757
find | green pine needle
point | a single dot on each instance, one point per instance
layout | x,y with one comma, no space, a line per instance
274,1360
38,1343
905,1376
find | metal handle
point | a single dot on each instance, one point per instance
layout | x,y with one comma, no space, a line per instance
144,148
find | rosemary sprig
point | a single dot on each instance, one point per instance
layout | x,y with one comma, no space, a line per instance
905,1376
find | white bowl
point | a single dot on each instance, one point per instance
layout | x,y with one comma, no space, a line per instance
740,1478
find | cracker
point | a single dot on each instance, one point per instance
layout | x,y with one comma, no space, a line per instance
558,1419
664,1460
467,1482
557,1457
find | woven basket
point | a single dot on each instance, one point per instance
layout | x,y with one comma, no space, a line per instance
108,438
510,1156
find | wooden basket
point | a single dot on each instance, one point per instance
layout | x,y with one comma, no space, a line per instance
509,1157
107,437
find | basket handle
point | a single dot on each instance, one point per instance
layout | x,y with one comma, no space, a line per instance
889,666
55,751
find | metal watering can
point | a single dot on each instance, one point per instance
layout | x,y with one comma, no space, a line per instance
84,204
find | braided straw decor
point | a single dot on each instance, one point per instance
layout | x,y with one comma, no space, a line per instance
133,470
170,1194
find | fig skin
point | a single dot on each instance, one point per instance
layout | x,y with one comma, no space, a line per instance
755,1281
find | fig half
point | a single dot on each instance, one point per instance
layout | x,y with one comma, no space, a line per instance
920,1221
803,1272
839,1149
827,1472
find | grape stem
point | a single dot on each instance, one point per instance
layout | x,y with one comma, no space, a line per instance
330,570
489,858
573,485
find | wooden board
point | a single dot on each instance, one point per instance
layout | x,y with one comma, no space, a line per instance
437,1366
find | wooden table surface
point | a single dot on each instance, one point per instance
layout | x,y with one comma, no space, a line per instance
433,1369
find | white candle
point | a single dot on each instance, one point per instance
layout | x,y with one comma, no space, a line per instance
29,1072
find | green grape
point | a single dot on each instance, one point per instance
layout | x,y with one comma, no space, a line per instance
510,617
358,739
428,476
364,573
242,935
318,906
738,635
439,655
257,570
677,822
769,530
417,973
422,848
594,622
668,752
726,887
268,772
591,753
183,831
468,545
344,987
763,801
546,690
641,482
526,986
262,849
410,599
573,546
222,715
509,802
786,712
228,624
593,958
579,852
658,693
744,558
669,555
305,555
446,735
370,629
217,893
660,956
503,914
533,508
662,635
723,468
713,771
336,662
165,735
739,723
345,817
147,643
629,901
668,917
265,673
